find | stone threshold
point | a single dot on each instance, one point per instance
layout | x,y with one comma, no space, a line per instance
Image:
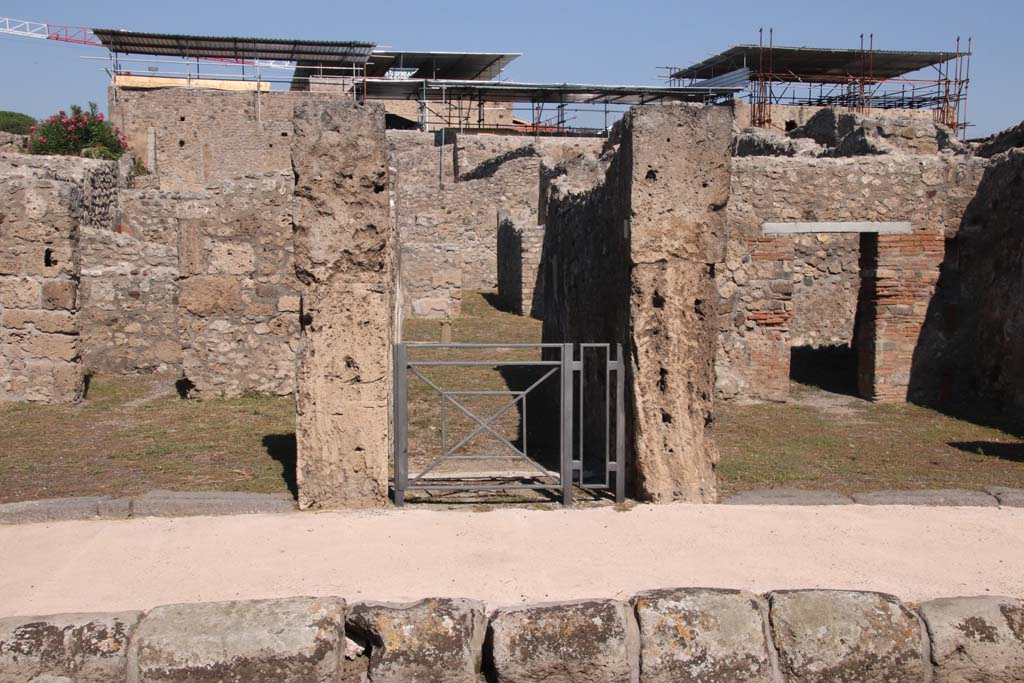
157,503
991,496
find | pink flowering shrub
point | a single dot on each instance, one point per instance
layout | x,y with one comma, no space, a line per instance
79,133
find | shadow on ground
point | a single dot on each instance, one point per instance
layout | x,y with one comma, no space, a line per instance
1014,452
283,449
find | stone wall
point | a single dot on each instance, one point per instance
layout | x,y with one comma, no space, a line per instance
632,261
344,246
449,199
760,285
673,634
238,313
191,137
45,203
970,356
520,280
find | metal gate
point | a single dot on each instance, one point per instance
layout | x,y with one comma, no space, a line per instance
575,392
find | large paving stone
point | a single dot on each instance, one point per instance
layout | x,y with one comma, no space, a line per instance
187,503
257,641
52,509
846,637
787,497
702,636
1011,498
437,640
69,648
954,497
976,640
595,641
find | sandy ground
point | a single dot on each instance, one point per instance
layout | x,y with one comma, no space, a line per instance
509,556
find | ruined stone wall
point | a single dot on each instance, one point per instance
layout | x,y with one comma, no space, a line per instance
970,356
344,256
632,261
449,201
238,313
760,286
520,281
45,203
191,137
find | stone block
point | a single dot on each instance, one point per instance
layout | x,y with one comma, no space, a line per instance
52,509
190,503
787,497
66,648
19,292
232,258
60,294
976,639
941,497
257,641
845,636
695,635
596,641
438,640
1011,498
42,345
62,322
206,295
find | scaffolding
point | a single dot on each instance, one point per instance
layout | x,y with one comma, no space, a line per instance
860,80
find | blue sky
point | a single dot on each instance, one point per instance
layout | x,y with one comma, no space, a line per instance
589,42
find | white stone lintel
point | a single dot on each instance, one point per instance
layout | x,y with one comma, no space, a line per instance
798,228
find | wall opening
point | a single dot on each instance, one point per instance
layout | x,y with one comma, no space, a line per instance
830,368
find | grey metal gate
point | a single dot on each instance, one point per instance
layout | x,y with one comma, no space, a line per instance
571,378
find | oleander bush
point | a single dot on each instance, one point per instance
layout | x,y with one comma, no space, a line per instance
80,133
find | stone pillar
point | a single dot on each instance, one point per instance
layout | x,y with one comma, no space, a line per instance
680,179
344,259
898,278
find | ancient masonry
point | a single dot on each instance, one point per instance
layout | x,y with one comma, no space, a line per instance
631,260
659,636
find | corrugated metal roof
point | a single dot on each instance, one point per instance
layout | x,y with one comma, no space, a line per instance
224,47
466,66
815,63
509,91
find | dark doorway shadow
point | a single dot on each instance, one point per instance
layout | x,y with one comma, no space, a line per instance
832,368
283,449
1013,452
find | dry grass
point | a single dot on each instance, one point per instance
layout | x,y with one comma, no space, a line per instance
132,434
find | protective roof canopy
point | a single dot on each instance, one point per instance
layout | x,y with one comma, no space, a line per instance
509,91
466,66
223,47
815,63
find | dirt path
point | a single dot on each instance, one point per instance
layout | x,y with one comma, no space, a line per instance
509,556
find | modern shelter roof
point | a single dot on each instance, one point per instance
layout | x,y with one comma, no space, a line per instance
510,91
223,47
814,63
465,66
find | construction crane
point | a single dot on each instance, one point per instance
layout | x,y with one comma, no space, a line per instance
82,35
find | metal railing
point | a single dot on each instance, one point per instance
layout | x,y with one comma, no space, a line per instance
569,379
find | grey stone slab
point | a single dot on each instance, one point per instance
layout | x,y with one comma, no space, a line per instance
948,497
787,497
51,509
439,640
596,641
256,641
846,636
976,639
696,635
1011,498
71,648
187,503
804,227
115,508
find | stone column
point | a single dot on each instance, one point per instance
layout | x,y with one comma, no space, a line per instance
344,259
680,181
